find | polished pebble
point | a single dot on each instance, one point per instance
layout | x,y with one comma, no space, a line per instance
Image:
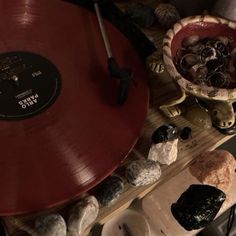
109,190
143,172
185,133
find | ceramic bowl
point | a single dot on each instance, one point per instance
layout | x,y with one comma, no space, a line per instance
205,26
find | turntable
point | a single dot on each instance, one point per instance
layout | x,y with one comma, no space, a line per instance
61,130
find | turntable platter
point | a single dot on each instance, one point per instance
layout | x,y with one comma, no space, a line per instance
61,132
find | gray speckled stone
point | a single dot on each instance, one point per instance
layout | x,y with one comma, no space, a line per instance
82,215
109,190
50,225
143,172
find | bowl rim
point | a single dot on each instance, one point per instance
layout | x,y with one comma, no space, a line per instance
203,91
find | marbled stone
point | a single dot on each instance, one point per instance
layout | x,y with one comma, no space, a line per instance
50,225
142,172
82,215
109,190
185,133
215,168
165,153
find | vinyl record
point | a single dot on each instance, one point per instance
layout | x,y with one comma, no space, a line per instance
61,131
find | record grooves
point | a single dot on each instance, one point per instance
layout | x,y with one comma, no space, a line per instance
69,134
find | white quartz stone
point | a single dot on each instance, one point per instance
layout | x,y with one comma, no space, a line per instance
165,153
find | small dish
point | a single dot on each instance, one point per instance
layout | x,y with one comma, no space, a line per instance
128,223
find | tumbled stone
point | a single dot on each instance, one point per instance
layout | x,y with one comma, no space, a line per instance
164,133
50,225
165,153
109,190
215,168
198,206
142,172
82,215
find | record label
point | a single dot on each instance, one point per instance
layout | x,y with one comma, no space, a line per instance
29,83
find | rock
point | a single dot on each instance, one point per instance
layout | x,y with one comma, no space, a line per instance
164,133
50,225
165,153
198,206
82,215
214,168
185,133
142,172
141,14
109,190
167,15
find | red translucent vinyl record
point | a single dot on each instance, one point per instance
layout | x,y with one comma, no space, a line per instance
61,131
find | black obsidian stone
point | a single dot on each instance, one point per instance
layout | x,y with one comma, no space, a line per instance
164,133
198,206
109,190
185,133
